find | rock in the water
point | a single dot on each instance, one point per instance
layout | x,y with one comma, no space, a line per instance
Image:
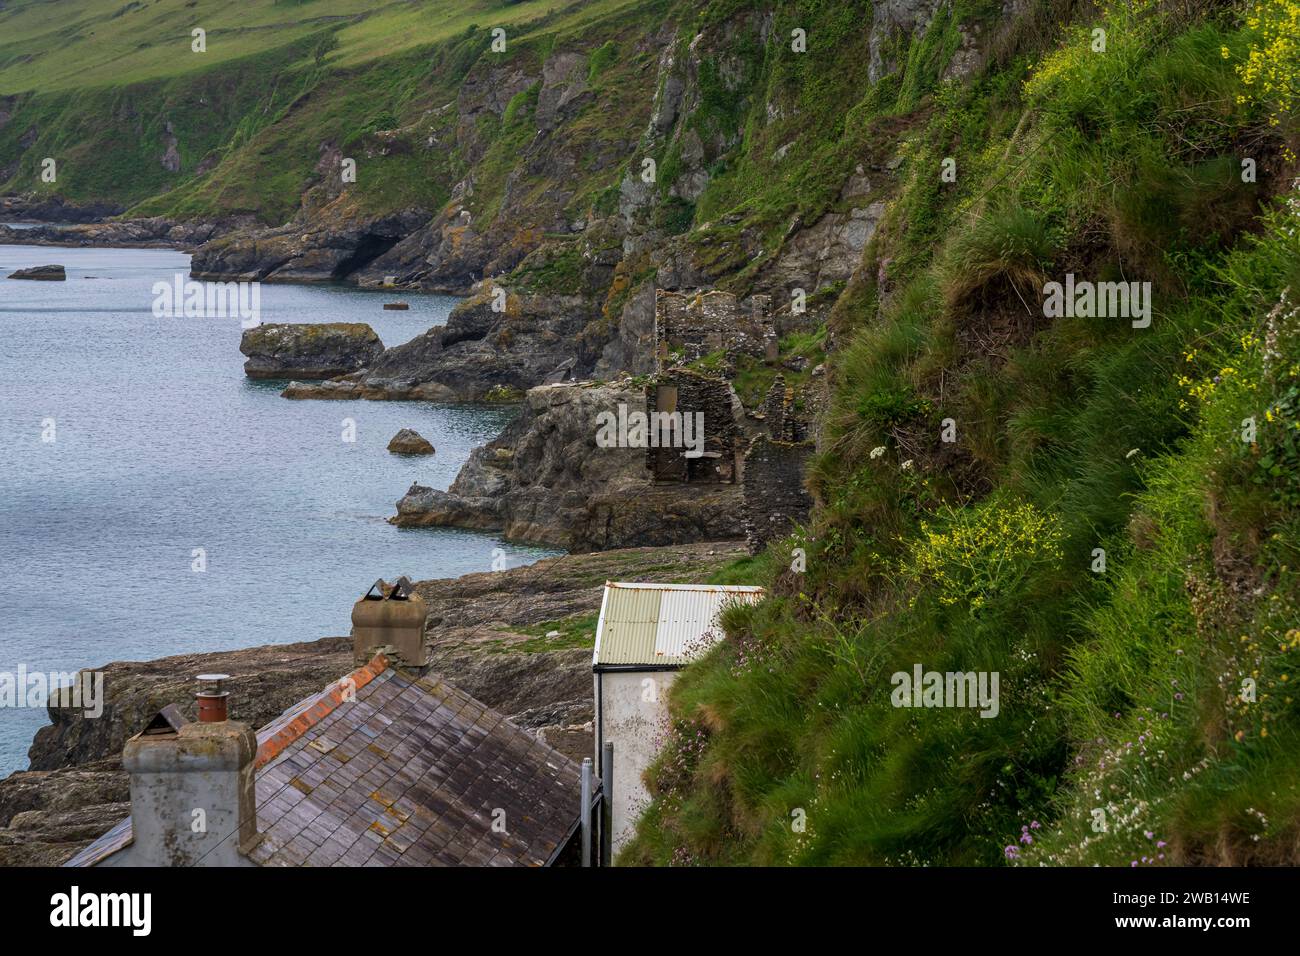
397,306
309,350
43,273
480,354
410,442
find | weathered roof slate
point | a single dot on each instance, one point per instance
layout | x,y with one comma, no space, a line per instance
390,768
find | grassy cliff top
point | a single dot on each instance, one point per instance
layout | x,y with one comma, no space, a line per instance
87,43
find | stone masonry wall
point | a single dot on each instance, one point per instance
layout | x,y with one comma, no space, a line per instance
775,497
696,393
689,326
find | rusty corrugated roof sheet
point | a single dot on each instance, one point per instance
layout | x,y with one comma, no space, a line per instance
390,768
661,625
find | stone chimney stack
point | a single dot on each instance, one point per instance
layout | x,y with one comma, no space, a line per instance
193,794
392,621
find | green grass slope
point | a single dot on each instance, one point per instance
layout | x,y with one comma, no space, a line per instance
1114,529
76,44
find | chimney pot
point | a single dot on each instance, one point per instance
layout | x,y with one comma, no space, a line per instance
212,698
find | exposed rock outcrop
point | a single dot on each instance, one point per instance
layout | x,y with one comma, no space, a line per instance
545,480
410,442
480,353
52,208
309,349
154,233
54,273
321,245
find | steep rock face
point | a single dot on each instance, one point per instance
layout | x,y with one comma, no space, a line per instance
480,353
630,347
825,253
51,208
322,245
889,19
545,480
483,633
308,350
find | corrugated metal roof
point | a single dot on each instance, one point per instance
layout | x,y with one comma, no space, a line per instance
661,625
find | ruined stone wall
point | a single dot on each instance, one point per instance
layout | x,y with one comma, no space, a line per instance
689,326
695,392
775,497
778,413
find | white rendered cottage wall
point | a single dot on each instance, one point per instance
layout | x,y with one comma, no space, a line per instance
633,716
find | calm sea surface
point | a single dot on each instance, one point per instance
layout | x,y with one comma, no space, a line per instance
162,446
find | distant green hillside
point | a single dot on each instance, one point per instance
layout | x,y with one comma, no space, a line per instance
79,44
96,85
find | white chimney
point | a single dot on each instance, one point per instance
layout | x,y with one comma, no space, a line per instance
193,794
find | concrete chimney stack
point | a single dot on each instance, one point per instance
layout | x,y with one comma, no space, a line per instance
193,791
391,621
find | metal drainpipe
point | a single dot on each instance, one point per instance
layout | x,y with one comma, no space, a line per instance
586,811
607,806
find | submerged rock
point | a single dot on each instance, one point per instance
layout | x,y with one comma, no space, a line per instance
43,273
410,442
309,350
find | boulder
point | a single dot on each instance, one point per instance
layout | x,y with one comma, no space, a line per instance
410,442
42,273
309,350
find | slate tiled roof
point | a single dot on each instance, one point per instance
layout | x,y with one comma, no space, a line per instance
411,772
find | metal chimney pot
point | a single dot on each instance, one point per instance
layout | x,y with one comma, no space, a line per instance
212,697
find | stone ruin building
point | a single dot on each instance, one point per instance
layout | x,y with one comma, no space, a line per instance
686,392
766,450
689,326
774,467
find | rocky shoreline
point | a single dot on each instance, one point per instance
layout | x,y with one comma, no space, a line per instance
495,345
63,223
543,480
488,636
